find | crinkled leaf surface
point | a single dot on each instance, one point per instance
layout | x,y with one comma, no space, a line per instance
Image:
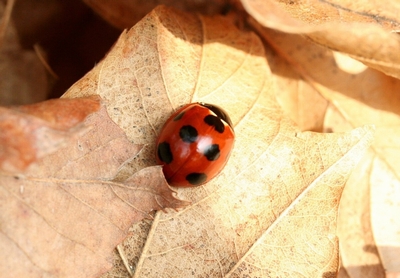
308,81
280,186
273,217
63,216
357,97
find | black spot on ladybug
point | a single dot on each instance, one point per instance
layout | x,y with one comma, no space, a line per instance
164,152
215,122
188,134
179,116
212,152
196,178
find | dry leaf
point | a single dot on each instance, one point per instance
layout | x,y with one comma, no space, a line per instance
263,221
385,211
126,13
359,253
360,96
150,79
32,131
171,58
373,93
279,186
359,29
23,76
300,101
64,215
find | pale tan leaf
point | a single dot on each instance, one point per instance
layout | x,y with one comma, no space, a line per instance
301,102
304,228
263,209
360,29
161,64
146,76
393,275
232,212
364,212
385,211
309,16
368,97
358,250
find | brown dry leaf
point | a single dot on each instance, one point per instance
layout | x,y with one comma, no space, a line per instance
22,75
126,13
360,29
279,186
30,132
64,216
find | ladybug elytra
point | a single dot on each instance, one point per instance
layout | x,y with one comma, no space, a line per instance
194,144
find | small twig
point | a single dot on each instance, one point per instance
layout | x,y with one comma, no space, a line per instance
40,54
6,20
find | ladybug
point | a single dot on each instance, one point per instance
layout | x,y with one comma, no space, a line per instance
194,144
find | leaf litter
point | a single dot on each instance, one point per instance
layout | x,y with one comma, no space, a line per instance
269,173
317,190
66,205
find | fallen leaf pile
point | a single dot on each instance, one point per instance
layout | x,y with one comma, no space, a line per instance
312,185
64,215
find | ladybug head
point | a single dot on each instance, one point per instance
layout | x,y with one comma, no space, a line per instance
221,113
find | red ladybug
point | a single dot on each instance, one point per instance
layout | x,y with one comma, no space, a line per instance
194,144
